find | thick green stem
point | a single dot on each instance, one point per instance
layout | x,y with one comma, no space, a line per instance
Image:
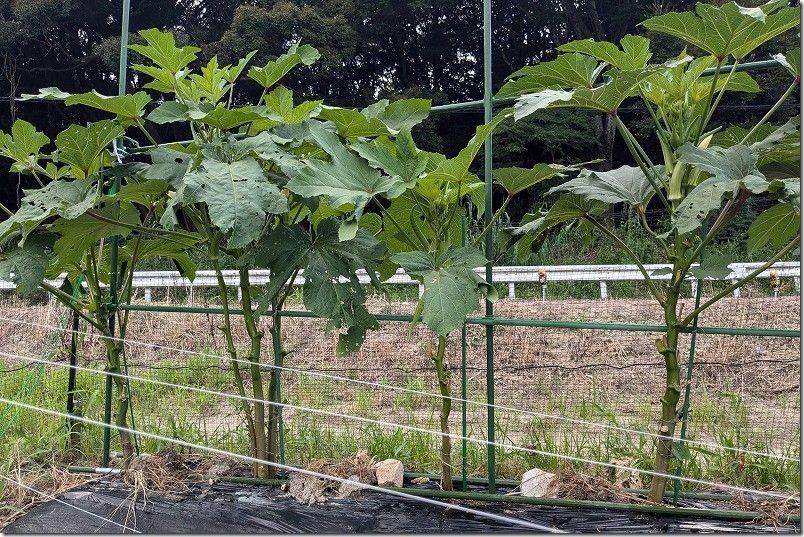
446,408
255,337
230,346
496,216
667,346
274,391
637,152
113,351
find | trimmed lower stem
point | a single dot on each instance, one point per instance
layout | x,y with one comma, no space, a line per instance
668,348
446,408
255,336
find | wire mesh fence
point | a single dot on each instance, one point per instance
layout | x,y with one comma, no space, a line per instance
586,393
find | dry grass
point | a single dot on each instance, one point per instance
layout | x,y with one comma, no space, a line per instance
774,513
310,489
29,485
577,486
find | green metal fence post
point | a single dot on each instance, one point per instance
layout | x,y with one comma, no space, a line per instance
113,258
685,408
489,244
464,391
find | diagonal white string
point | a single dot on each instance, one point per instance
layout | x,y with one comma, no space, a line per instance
53,498
414,429
289,468
420,392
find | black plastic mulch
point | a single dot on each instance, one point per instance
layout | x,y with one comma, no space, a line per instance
234,508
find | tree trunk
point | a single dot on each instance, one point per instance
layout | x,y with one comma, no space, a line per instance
446,408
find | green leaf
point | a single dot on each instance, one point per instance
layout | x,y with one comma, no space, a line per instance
331,288
516,180
569,207
713,267
78,235
452,289
566,71
168,165
23,144
173,248
226,119
45,94
791,61
83,148
68,199
162,50
169,112
346,179
728,29
735,164
732,168
238,196
351,123
634,55
280,105
777,226
25,265
399,159
125,107
274,70
405,114
626,184
680,451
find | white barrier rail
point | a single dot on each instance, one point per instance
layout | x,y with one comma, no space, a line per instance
511,275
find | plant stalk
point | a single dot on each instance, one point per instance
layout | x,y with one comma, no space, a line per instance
446,408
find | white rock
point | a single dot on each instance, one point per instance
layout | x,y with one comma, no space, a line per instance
389,472
536,484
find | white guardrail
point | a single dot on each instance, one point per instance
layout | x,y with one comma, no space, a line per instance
511,275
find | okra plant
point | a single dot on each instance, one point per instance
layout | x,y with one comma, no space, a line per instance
67,224
706,174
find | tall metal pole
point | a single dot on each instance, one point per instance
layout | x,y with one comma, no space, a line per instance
113,258
489,244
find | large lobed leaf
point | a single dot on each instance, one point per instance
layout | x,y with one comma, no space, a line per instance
22,145
627,184
331,289
515,180
346,179
26,265
237,194
634,54
452,288
274,70
68,199
84,148
730,29
777,226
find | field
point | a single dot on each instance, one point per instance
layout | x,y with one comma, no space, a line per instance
744,390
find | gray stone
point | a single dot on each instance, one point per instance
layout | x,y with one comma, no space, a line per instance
536,484
389,472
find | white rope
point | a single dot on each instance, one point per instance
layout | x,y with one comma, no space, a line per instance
423,393
53,498
289,468
412,428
